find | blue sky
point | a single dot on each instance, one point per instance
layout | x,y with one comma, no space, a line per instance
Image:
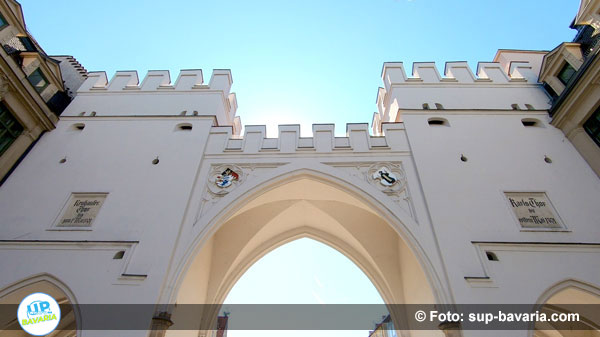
299,62
304,272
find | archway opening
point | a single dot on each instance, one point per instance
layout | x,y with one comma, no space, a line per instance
12,296
305,207
304,272
574,299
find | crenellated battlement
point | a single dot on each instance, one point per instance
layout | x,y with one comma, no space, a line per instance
509,83
323,140
157,80
487,73
156,95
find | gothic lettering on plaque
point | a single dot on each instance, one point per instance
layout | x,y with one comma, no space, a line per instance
81,210
533,210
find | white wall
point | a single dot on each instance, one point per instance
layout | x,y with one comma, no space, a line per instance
449,214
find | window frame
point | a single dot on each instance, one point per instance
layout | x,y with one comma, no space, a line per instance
593,120
563,70
3,22
8,131
27,43
41,74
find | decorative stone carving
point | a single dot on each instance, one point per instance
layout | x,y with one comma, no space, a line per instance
385,176
388,177
224,178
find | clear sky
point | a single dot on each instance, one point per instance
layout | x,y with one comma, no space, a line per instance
300,62
304,272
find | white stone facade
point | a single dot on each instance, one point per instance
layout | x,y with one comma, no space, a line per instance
155,149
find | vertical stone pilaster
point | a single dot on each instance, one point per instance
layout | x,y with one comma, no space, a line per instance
450,329
160,323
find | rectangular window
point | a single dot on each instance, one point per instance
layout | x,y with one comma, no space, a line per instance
38,80
550,91
27,43
10,128
3,22
566,73
592,126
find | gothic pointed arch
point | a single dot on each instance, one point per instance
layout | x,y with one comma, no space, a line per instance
348,215
51,285
565,297
361,192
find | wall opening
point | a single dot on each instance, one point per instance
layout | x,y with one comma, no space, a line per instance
531,122
491,256
14,294
184,127
438,121
78,126
292,212
304,271
571,297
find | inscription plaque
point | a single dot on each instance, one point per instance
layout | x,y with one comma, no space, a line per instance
81,210
533,210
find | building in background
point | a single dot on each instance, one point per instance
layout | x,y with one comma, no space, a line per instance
32,92
147,191
571,74
222,326
385,328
